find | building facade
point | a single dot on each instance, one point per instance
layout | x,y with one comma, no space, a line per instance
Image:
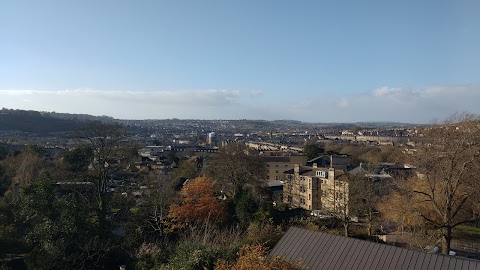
317,189
339,162
277,165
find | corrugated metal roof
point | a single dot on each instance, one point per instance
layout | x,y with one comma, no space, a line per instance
323,251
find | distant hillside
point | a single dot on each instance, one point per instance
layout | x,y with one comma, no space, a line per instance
383,124
44,122
81,117
33,121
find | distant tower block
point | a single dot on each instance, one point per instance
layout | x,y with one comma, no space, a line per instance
212,139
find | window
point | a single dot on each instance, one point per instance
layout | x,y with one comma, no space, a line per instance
309,197
289,198
277,177
276,165
276,171
302,200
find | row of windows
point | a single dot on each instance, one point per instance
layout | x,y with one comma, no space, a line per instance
302,200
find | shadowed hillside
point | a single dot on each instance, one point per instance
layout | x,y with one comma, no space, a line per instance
33,121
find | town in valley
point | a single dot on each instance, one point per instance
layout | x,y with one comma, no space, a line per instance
241,181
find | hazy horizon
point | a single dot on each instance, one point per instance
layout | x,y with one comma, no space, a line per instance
310,61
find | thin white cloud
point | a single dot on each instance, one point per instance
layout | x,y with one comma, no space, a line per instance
401,104
343,103
397,95
124,104
391,104
255,93
209,97
385,91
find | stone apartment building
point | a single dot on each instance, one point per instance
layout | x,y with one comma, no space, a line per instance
277,165
339,162
316,188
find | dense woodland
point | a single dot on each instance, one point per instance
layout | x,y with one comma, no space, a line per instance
58,213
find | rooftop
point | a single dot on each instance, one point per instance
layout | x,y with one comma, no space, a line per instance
319,250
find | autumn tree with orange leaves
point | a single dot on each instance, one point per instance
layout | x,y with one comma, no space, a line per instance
255,257
199,205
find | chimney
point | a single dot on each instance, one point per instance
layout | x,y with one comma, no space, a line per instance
296,169
331,174
314,165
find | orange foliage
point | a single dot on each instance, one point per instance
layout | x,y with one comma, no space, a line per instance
255,257
198,205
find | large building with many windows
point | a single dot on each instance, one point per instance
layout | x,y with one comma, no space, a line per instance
315,188
277,165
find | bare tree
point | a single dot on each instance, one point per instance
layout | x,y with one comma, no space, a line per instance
342,202
237,165
158,203
447,161
28,167
104,139
366,190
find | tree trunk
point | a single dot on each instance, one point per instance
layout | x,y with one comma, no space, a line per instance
402,226
370,228
102,215
446,239
345,227
370,223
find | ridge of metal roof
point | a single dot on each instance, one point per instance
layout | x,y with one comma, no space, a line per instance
318,250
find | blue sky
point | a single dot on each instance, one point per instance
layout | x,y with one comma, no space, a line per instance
316,61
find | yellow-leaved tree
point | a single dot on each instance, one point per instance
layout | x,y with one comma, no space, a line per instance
255,257
446,188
